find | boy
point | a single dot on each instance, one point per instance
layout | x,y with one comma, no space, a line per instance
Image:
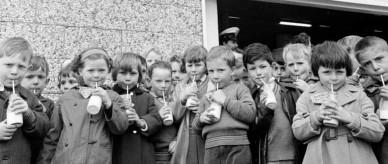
153,55
177,74
297,61
36,80
67,79
275,108
15,141
190,145
279,71
226,139
372,54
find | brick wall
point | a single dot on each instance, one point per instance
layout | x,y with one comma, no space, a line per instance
59,29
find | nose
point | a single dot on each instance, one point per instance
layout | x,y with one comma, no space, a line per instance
375,66
258,73
35,81
14,70
296,68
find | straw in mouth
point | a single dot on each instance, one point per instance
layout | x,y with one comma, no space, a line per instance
194,80
127,92
164,98
13,87
356,71
297,77
382,80
216,86
332,87
96,84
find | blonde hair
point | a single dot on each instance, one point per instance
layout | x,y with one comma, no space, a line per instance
15,46
297,50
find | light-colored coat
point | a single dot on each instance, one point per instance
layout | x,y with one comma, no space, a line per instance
352,145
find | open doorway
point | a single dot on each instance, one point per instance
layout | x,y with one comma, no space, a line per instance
259,22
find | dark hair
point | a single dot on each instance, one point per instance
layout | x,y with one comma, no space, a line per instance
126,62
368,43
224,53
16,45
330,55
301,38
178,59
277,55
67,72
224,38
93,54
257,51
194,55
158,64
39,62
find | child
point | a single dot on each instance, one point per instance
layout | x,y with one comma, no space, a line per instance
164,141
349,43
275,107
177,71
78,135
279,70
15,140
190,145
67,79
372,54
334,118
145,80
226,139
134,145
297,61
36,80
153,55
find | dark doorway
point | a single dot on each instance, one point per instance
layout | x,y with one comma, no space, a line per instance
259,22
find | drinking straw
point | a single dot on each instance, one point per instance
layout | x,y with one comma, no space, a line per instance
13,87
34,90
382,80
216,86
164,98
356,71
332,88
297,77
96,84
127,92
194,80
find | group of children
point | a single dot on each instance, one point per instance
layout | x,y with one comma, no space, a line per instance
295,106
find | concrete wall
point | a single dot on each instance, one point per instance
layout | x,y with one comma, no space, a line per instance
59,29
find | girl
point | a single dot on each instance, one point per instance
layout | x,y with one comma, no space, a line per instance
76,135
336,119
161,82
134,145
190,145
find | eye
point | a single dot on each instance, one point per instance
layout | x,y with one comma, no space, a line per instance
290,65
262,66
378,59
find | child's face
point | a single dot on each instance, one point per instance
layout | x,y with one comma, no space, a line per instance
35,81
375,63
94,71
67,83
177,75
278,70
219,72
328,76
152,58
127,79
12,68
297,67
260,71
160,81
196,69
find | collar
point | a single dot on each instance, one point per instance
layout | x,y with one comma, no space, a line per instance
344,95
199,82
122,91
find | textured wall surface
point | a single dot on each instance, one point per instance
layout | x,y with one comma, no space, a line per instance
59,29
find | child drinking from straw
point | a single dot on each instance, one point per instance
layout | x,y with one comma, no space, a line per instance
348,140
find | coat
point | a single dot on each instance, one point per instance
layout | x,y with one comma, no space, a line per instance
18,149
258,135
75,136
346,144
135,146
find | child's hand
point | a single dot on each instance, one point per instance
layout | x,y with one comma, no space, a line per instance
6,131
268,97
337,112
172,147
301,84
164,111
104,97
190,90
206,118
218,97
384,92
322,114
18,105
132,115
193,104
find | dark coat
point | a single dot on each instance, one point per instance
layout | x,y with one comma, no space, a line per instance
18,149
258,133
135,146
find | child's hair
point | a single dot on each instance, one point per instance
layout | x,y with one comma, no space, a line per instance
277,55
155,50
302,38
194,55
222,52
14,46
349,42
370,43
158,64
256,51
90,53
330,55
143,61
39,62
126,62
178,59
298,51
67,72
